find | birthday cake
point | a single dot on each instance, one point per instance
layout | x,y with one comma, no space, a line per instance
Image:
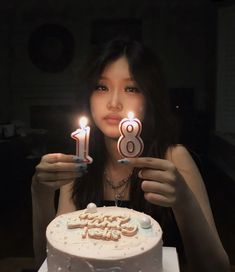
104,239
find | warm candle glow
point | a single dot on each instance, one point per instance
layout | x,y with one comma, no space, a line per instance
130,115
83,122
81,136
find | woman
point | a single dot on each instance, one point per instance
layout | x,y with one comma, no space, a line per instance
164,182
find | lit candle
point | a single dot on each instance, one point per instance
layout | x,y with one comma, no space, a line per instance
81,135
130,144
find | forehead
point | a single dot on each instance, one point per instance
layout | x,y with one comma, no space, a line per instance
118,68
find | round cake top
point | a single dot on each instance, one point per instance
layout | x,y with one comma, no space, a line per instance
105,233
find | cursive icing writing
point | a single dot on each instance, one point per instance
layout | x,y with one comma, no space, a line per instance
103,226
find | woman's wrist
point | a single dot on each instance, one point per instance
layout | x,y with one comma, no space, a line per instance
37,187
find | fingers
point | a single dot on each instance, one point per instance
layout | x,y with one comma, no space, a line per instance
57,169
58,162
57,176
159,179
160,200
58,157
154,169
156,175
157,187
56,184
147,162
61,166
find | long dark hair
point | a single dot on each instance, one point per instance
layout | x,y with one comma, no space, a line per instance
159,131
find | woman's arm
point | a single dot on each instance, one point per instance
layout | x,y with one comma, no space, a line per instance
43,211
203,248
176,182
66,203
55,171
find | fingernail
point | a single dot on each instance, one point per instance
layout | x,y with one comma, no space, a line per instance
77,159
140,174
81,167
123,161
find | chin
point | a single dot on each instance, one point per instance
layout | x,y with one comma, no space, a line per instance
112,133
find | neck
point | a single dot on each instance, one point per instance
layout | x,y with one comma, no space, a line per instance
113,168
112,151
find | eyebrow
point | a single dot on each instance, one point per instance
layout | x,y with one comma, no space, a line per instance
125,79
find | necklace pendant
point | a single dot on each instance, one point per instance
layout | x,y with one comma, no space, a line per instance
118,196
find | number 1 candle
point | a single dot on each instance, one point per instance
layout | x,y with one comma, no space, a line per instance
81,135
130,144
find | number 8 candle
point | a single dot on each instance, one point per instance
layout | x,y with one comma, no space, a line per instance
81,135
130,144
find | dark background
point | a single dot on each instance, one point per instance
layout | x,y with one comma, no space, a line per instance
43,46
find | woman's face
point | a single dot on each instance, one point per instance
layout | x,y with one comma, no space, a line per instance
115,95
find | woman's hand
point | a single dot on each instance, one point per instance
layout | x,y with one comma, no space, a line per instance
56,170
176,182
162,183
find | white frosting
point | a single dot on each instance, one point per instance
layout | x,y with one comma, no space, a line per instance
69,238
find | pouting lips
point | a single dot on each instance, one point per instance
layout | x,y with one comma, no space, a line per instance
113,118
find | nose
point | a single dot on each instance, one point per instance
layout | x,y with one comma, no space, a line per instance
114,102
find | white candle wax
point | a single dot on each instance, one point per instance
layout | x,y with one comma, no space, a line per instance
130,144
81,136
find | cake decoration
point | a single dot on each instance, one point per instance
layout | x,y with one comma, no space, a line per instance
102,239
102,226
145,222
91,208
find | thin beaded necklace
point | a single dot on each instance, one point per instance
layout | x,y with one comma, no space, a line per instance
122,184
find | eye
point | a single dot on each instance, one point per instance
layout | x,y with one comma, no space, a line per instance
132,89
101,87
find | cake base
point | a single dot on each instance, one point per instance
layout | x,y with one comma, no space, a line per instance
104,239
170,261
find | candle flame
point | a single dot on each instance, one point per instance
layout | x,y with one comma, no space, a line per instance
83,122
130,115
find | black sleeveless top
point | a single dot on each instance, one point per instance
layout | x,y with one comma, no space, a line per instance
171,235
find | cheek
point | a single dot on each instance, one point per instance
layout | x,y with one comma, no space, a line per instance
142,112
96,107
93,107
140,108
93,103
